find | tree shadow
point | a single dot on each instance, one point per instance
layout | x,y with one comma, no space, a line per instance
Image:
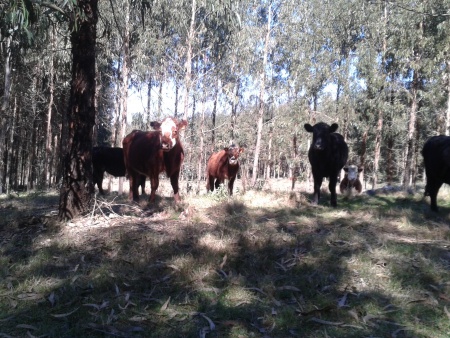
251,271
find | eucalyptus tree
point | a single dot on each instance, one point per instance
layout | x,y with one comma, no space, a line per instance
29,35
77,187
262,25
414,49
14,21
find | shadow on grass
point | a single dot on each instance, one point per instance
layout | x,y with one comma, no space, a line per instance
276,272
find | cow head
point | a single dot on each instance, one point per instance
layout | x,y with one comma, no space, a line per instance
321,132
352,172
233,154
169,129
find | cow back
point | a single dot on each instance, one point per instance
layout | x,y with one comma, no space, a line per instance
143,154
217,164
109,160
436,155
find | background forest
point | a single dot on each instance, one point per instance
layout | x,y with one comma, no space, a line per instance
247,72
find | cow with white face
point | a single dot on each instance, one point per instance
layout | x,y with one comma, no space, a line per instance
151,152
350,184
169,132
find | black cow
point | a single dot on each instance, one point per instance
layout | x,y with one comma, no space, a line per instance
110,160
328,154
436,156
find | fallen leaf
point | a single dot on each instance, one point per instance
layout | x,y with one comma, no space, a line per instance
26,326
52,299
354,314
342,301
137,318
324,309
30,296
165,305
4,335
62,315
325,322
444,297
212,326
117,290
447,312
288,287
224,260
6,319
281,266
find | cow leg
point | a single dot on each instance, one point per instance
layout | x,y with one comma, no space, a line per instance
174,183
154,183
218,183
332,187
210,183
134,185
230,185
98,178
317,185
142,179
432,189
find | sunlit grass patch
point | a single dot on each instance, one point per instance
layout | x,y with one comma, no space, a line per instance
254,264
216,244
235,296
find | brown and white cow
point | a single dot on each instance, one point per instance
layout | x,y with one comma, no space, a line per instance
223,165
151,152
350,184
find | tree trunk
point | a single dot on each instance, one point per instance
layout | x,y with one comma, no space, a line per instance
261,100
362,158
175,114
149,101
77,189
377,152
160,99
234,105
48,134
9,159
379,131
294,167
214,114
410,144
4,111
124,79
447,119
201,165
188,62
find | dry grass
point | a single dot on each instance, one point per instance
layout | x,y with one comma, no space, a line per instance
261,264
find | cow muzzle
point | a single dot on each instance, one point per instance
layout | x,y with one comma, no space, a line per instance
166,146
318,147
232,160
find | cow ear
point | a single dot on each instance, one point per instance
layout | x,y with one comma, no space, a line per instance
226,148
155,125
241,150
333,127
308,128
181,124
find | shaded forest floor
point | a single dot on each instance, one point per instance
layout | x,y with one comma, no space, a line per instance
261,264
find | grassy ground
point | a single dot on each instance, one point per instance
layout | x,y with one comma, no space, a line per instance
261,264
